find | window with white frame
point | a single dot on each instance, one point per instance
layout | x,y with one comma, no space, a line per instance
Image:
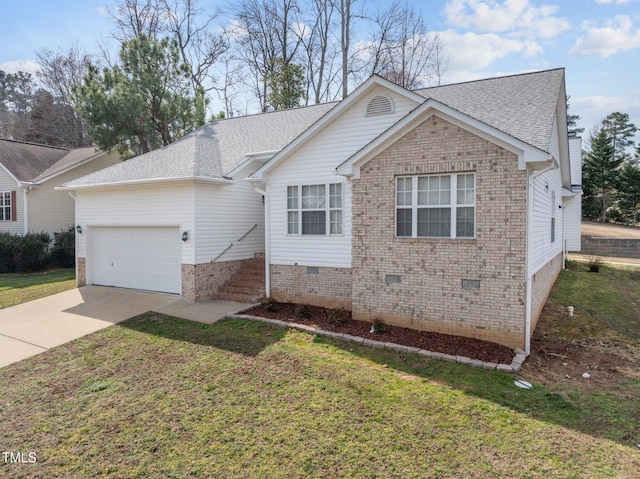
5,206
314,209
436,206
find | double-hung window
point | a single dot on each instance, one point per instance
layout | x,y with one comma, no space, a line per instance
314,209
5,206
436,206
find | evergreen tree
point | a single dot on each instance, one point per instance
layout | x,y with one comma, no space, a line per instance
145,102
621,131
286,85
601,171
629,193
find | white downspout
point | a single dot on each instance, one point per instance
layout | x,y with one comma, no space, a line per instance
267,261
25,207
527,332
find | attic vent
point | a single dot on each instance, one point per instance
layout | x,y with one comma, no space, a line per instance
379,105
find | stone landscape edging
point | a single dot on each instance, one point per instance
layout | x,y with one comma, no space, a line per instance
514,367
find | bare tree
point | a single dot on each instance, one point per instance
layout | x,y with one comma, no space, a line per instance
321,50
133,17
60,73
180,20
268,35
402,50
199,47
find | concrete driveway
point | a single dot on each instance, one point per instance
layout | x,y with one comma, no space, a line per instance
30,328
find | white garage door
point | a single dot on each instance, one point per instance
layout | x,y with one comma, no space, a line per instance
145,258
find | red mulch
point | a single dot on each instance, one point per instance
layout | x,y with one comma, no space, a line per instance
436,342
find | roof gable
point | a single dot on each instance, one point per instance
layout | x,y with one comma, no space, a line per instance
523,106
525,152
26,161
34,163
360,92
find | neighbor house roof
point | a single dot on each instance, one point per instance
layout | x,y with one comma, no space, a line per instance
211,151
523,106
32,163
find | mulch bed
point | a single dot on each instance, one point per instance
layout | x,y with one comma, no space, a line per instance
436,342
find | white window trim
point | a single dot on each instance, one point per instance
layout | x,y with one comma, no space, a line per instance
453,206
327,209
3,205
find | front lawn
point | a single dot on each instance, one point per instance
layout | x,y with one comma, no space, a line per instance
20,288
162,397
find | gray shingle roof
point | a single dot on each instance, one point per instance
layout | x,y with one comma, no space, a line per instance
212,150
522,106
30,162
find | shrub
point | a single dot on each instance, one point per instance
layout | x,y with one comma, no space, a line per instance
267,304
338,316
31,252
302,311
64,248
594,264
378,327
8,243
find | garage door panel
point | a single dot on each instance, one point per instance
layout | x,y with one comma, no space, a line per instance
136,257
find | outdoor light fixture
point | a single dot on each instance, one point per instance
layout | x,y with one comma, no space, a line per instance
185,235
79,229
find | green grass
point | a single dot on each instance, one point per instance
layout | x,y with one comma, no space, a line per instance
20,288
611,297
162,397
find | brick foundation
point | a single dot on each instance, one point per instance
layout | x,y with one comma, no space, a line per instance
327,287
200,282
81,272
541,285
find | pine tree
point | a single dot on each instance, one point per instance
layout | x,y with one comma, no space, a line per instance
601,170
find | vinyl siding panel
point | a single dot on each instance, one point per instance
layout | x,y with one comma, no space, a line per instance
314,163
572,217
575,157
542,249
7,183
136,206
51,210
223,215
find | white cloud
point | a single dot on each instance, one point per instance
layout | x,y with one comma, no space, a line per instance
472,51
518,18
594,108
616,35
29,66
609,2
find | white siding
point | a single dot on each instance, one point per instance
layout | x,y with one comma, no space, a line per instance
7,183
223,215
575,157
51,210
541,248
136,206
572,216
314,163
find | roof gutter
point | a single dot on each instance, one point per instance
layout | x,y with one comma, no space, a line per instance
149,181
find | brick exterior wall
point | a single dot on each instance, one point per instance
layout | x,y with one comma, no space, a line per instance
201,281
430,295
541,285
81,272
330,287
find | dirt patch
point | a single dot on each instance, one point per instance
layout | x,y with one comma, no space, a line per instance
608,362
436,342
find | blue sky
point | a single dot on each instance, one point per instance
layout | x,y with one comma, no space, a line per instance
597,41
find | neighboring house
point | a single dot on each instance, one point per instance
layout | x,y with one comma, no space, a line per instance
441,209
29,173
